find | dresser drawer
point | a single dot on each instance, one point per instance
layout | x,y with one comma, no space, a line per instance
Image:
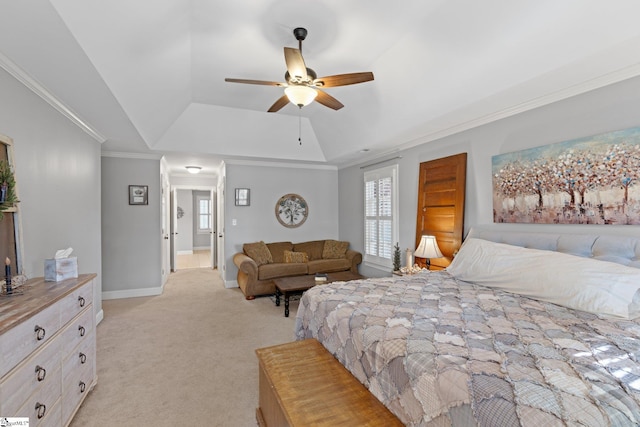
40,407
76,386
81,356
35,372
75,302
22,340
53,417
78,329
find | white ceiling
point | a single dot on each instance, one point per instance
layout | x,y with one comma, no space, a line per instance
147,76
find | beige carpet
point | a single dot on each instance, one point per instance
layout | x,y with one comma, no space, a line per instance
182,358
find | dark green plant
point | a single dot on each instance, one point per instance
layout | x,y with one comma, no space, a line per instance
8,198
396,257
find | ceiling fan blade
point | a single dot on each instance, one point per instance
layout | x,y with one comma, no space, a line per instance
281,102
343,79
295,64
328,101
255,82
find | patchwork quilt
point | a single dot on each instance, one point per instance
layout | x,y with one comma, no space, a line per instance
442,352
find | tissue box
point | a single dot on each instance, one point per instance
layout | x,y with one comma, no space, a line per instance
56,270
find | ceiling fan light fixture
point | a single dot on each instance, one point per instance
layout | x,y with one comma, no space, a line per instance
193,169
300,95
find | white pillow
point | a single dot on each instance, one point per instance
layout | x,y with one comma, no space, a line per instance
585,284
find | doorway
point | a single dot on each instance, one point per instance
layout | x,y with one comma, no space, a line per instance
193,228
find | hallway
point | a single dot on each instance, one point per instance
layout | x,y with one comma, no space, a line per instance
199,259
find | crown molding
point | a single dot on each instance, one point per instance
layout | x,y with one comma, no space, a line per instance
20,75
125,155
577,89
279,164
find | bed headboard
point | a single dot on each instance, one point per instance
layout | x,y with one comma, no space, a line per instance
620,249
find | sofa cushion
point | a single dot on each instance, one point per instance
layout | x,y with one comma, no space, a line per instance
259,252
277,250
312,248
290,256
334,249
272,271
328,265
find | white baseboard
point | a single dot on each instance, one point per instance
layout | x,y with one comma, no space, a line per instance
132,293
230,284
185,252
99,317
201,248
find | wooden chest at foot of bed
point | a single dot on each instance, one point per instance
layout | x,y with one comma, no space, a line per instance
302,384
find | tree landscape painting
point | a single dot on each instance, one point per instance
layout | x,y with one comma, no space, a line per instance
591,180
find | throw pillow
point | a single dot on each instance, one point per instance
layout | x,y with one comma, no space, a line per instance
334,249
290,256
277,250
259,252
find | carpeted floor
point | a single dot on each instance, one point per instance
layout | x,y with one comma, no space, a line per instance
185,357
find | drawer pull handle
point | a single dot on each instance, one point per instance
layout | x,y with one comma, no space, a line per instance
82,386
40,373
81,301
41,408
83,358
40,332
81,329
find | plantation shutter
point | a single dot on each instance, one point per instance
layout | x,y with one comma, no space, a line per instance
380,213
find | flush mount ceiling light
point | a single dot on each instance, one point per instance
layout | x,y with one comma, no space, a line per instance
193,169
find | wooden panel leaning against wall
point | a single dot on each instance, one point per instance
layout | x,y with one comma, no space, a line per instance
441,195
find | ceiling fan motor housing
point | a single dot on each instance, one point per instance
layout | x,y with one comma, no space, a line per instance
311,76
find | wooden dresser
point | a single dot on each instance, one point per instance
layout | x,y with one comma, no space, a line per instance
47,350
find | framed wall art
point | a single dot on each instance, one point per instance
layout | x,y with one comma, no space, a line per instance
590,180
292,210
243,197
138,195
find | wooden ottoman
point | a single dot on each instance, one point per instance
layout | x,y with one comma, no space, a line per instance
302,384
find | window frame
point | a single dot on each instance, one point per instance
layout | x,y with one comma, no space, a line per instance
199,230
376,260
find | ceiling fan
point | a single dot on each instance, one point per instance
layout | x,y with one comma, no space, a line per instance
302,84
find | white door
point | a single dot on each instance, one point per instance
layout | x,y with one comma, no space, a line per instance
220,226
174,228
166,225
214,228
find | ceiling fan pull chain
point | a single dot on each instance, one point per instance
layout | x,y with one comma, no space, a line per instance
300,125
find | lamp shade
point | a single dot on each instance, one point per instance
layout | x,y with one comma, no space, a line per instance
193,169
428,248
300,95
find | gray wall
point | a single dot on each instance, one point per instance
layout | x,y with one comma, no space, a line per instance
318,186
131,234
58,178
603,110
184,226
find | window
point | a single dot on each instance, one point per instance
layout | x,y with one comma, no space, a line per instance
204,214
380,215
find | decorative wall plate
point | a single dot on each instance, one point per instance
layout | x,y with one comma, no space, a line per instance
292,210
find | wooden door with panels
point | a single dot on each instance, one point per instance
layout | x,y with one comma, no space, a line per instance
441,193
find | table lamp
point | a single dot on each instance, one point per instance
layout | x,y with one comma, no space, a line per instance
428,248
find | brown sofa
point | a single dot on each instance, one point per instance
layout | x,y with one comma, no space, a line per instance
259,263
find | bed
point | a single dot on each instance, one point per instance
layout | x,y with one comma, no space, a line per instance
531,329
